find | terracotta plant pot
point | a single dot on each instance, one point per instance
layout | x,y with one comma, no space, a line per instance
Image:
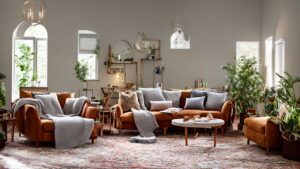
2,143
290,149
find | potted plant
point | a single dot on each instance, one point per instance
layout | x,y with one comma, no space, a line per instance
2,139
290,124
245,86
81,71
2,94
271,102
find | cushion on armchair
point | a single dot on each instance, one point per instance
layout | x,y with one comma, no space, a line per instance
51,103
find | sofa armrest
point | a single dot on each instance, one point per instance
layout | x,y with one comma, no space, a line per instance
118,111
91,112
33,124
226,110
273,134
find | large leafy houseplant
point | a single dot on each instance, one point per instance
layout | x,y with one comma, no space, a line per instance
245,85
81,71
2,91
24,63
290,124
286,94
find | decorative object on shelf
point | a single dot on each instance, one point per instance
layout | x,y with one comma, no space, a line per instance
290,121
245,85
81,73
34,11
117,67
179,39
142,42
122,51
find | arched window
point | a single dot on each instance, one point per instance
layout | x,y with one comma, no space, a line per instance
29,57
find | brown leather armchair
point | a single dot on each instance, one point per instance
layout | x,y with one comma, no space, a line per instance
263,132
30,124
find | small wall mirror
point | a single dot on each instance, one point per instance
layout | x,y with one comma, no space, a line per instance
122,51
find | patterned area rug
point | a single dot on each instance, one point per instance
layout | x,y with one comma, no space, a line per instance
116,151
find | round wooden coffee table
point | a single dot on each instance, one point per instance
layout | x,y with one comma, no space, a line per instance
214,123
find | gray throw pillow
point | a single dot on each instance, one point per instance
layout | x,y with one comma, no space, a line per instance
173,96
160,105
141,99
152,94
194,103
50,103
215,101
197,93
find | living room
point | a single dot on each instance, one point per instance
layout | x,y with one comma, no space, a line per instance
125,51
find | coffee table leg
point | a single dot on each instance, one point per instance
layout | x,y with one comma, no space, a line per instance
186,135
215,137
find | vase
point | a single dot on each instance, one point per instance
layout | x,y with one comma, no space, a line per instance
242,118
290,148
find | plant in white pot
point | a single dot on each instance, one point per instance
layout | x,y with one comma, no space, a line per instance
245,85
81,71
290,124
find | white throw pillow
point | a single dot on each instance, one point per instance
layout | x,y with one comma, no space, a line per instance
160,105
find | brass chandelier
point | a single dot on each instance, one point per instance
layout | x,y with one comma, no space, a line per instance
34,11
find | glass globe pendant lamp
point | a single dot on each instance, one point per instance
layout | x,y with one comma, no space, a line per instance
34,11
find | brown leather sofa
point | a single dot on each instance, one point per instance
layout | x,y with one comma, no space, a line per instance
125,120
30,124
263,132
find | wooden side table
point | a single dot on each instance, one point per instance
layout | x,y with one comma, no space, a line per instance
105,117
5,119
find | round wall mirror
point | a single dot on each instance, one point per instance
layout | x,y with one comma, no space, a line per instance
122,51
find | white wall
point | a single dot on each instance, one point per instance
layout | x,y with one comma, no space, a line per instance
281,20
214,27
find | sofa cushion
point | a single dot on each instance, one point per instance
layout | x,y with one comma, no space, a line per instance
25,94
159,116
199,93
173,96
141,99
203,113
194,103
160,105
129,100
62,97
215,101
47,125
257,124
184,94
152,94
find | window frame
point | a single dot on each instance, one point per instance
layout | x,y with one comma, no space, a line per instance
87,34
257,52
